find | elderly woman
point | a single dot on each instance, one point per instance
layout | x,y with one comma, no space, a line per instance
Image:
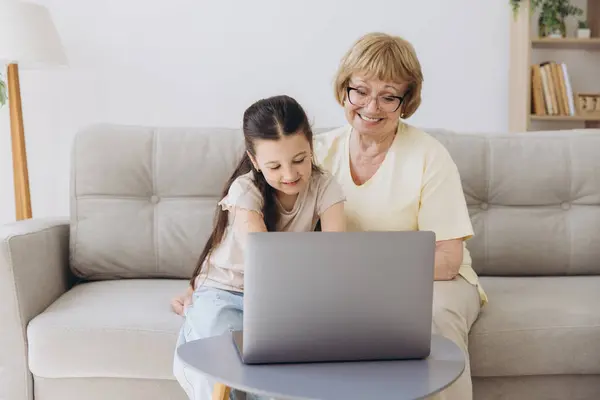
397,177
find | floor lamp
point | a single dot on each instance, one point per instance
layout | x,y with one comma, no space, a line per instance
28,39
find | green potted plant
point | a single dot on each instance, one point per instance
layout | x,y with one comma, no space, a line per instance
2,91
583,30
551,21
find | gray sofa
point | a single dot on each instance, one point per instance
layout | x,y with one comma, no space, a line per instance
84,300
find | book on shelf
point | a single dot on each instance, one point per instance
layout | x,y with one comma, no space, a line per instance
551,90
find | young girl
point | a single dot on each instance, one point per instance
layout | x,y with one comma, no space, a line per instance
275,187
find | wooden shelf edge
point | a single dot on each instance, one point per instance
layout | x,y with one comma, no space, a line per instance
566,43
566,118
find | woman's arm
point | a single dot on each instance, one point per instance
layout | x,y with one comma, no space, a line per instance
334,218
443,210
448,258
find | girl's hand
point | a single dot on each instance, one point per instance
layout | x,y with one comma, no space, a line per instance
179,303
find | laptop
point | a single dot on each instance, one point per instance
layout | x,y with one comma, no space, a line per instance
337,296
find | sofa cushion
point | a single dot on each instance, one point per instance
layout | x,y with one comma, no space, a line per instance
537,326
108,389
143,198
121,328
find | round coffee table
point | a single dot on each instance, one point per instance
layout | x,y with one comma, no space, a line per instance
217,357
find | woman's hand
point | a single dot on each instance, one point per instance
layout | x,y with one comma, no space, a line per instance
179,303
448,258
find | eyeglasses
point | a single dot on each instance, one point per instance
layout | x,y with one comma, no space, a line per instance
360,98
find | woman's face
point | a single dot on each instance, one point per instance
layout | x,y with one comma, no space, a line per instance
372,106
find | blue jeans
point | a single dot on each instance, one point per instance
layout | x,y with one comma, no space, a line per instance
213,312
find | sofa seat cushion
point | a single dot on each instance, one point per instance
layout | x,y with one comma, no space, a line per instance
121,328
537,326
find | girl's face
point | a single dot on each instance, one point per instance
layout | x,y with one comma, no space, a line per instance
285,163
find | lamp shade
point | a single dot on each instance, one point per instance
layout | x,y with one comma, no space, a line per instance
28,36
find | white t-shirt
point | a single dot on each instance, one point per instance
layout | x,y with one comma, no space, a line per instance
417,187
225,267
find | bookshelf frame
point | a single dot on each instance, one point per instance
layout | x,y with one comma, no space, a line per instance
521,45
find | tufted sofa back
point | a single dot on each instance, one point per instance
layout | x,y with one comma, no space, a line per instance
143,199
534,200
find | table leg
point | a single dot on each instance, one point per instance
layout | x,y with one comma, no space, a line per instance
221,392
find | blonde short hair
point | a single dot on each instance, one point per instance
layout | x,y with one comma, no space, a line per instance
384,57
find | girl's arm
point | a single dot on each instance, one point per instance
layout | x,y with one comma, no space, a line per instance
334,218
246,221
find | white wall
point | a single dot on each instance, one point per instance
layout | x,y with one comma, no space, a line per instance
194,62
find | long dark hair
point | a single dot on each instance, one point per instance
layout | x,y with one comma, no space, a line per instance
269,119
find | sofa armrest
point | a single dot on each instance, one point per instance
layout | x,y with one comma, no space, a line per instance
34,272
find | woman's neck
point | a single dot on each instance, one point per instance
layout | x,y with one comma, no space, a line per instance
370,147
367,154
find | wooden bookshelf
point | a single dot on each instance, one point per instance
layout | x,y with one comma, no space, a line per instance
522,44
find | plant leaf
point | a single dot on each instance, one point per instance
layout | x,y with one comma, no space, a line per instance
3,93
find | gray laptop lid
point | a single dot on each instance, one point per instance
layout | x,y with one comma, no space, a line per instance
337,296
